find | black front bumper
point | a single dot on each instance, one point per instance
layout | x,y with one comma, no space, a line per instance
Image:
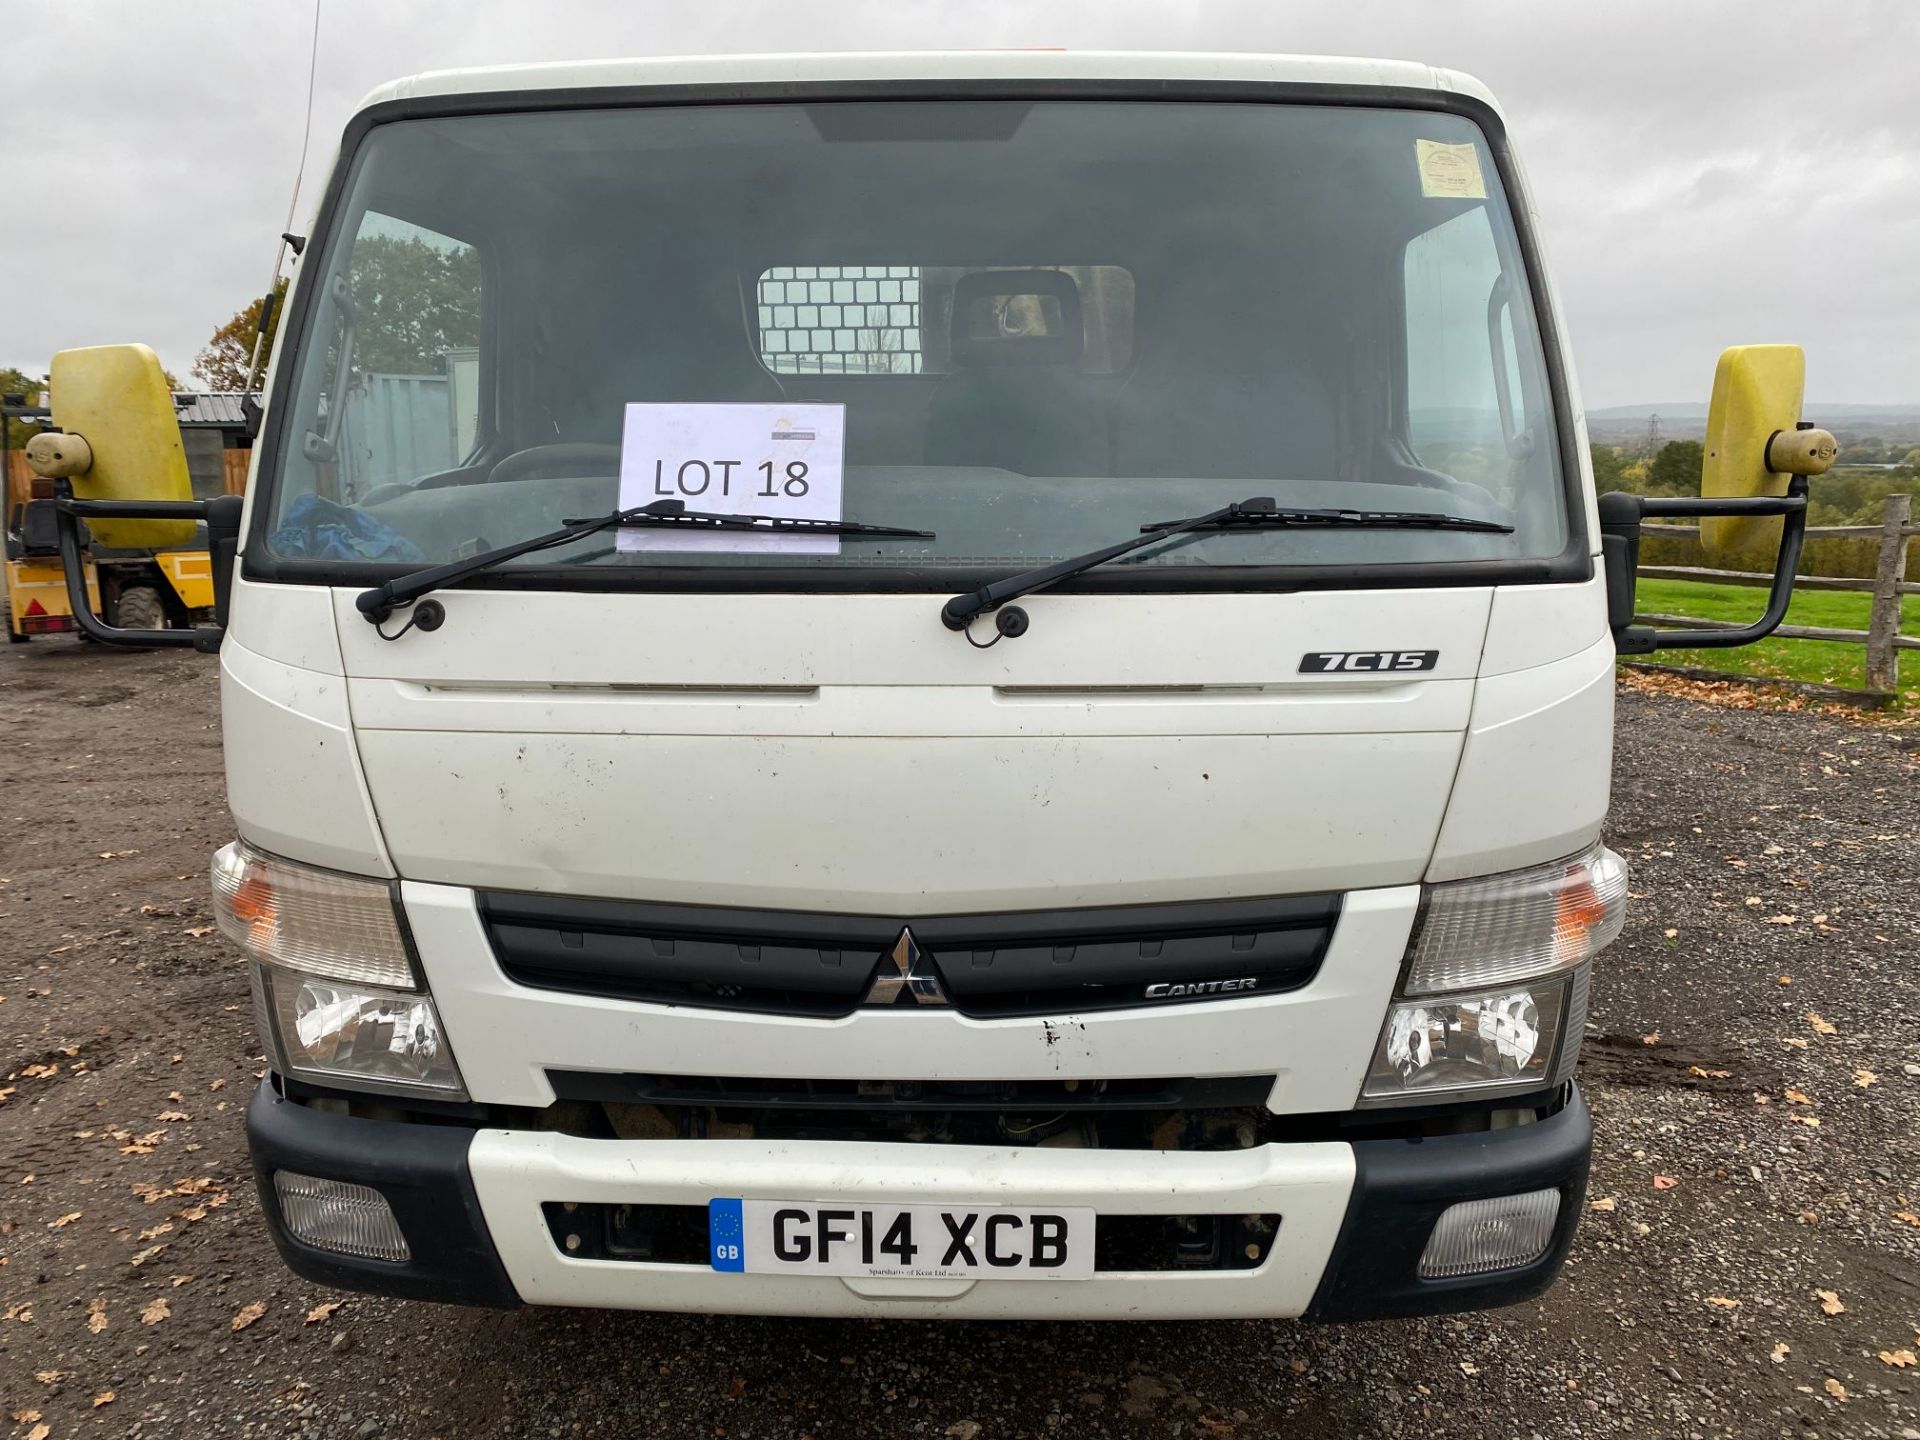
1401,1186
422,1171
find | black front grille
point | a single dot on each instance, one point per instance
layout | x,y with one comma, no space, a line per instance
801,963
996,1096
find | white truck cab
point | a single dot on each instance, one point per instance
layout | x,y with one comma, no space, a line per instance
923,685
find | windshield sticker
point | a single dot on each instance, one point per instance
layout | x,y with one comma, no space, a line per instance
1450,172
781,461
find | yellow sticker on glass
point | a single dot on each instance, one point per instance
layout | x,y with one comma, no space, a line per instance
1450,172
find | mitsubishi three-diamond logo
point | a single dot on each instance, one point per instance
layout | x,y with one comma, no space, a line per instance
906,972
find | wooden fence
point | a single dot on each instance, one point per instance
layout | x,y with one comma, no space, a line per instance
1882,636
19,479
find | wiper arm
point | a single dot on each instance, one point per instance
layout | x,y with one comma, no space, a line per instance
1248,517
379,603
1259,513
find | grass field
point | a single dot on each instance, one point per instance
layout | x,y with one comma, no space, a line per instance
1822,660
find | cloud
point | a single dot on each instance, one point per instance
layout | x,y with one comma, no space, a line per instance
1705,173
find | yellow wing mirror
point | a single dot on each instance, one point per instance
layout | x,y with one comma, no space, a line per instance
1756,441
122,441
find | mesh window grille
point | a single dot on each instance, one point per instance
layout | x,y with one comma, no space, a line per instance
840,319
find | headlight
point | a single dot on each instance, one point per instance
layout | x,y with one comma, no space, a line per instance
335,993
1494,996
354,1035
1525,923
317,921
1511,1040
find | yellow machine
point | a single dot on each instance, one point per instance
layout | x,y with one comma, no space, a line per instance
140,574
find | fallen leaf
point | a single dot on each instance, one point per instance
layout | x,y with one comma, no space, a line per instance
154,1232
1672,934
105,1397
1793,1042
1653,1039
1467,1367
1780,1352
1784,980
40,1431
1783,920
1836,1389
1820,1025
323,1310
1907,1217
1215,1427
19,1314
1606,1204
1705,1074
1723,1302
173,1115
198,930
247,1314
216,1084
25,1417
1864,1078
51,1377
143,1256
155,1311
1812,1122
1899,1359
1664,1182
178,1280
64,1220
97,1315
1830,1303
1798,1097
1755,900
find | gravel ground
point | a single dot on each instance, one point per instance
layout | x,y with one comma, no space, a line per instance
1753,1067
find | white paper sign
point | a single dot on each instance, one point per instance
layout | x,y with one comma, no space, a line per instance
724,459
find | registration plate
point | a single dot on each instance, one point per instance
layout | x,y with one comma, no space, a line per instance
926,1242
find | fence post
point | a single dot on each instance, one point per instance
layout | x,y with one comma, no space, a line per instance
1883,629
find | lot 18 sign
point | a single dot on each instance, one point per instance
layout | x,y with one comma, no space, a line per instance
783,460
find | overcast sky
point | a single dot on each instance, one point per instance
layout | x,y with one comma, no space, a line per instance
1707,174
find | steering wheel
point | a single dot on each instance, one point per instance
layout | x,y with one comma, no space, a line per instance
563,459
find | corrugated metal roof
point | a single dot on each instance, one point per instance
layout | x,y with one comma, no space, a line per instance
209,407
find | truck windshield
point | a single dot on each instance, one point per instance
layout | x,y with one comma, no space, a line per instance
1026,327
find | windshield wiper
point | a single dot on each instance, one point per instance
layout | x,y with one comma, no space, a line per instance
1259,513
379,603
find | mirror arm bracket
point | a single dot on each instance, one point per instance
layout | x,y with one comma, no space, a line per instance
1621,515
222,517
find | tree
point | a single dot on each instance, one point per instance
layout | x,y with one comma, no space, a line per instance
413,301
34,388
1676,469
1607,468
224,363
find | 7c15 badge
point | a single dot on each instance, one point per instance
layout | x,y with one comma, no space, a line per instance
1322,662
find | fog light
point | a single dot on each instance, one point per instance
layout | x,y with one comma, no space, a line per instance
339,1216
1497,1234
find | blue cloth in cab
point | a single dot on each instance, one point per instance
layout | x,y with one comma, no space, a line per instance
318,529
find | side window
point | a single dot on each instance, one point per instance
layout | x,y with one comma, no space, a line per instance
1467,405
401,389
